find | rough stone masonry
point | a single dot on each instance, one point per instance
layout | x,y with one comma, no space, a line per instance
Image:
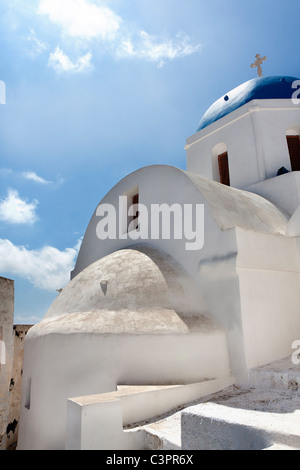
11,366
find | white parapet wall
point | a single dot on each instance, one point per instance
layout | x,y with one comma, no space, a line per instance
97,422
269,280
274,190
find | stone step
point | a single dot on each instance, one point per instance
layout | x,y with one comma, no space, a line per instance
164,434
282,375
211,426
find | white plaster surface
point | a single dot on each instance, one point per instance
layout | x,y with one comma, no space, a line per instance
224,208
293,228
148,328
255,137
269,279
213,268
109,413
263,416
283,191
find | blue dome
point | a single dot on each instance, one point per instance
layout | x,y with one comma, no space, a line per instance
263,88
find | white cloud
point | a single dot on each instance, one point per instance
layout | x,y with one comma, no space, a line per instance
31,175
86,20
81,18
15,210
36,46
153,49
47,268
82,23
61,62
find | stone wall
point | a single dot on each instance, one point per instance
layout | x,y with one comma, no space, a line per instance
11,366
7,347
15,387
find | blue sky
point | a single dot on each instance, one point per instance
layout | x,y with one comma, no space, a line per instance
96,89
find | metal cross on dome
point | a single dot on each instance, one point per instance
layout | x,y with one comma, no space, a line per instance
258,63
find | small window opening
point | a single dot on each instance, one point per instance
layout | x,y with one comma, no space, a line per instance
293,142
133,200
28,394
224,169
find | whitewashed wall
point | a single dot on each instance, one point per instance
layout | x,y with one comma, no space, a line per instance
255,137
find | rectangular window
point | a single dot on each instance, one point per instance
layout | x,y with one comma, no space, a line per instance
130,215
28,394
134,219
293,142
224,169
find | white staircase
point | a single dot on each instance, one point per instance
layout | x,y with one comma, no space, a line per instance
264,416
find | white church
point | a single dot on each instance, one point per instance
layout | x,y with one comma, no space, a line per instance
149,324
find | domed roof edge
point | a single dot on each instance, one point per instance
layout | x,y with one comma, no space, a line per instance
273,87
